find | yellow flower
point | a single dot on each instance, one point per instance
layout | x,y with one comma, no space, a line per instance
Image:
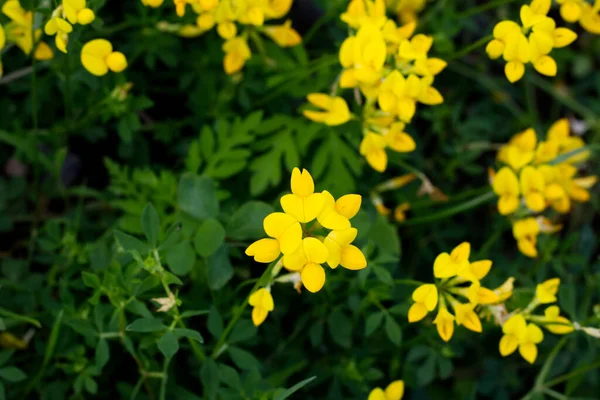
407,10
286,234
284,35
361,12
478,294
306,260
526,231
506,186
518,334
532,187
545,292
76,12
590,17
363,57
394,35
335,112
98,57
466,316
336,214
153,3
262,301
372,148
303,204
520,150
555,323
475,271
43,52
447,265
237,53
180,7
444,322
570,10
398,95
426,300
275,8
19,31
394,391
341,252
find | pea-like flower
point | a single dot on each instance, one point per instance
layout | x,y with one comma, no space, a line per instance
98,57
393,391
335,109
519,334
262,303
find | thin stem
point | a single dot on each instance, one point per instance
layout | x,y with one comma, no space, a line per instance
239,310
530,98
566,377
450,211
163,383
473,46
34,106
136,389
484,7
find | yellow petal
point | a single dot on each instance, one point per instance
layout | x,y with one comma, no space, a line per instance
377,394
348,205
315,250
508,345
417,312
514,71
42,52
85,16
570,11
313,277
468,318
264,250
444,322
295,261
395,390
426,294
93,55
259,315
529,352
443,267
563,37
546,292
304,209
227,30
545,65
116,61
495,48
461,252
352,258
262,298
481,268
302,183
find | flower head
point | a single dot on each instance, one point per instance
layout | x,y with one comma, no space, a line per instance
545,292
262,301
519,334
394,391
335,109
98,57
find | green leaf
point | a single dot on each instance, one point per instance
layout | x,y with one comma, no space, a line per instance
146,325
150,224
172,237
215,322
247,221
130,243
230,377
211,378
168,344
102,353
393,331
171,279
340,328
285,395
242,358
219,268
198,196
5,355
335,164
91,280
188,333
181,258
209,237
243,330
372,323
384,235
383,274
12,374
193,313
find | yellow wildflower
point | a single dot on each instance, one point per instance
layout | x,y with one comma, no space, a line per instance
526,231
520,150
426,300
363,57
262,301
284,35
335,112
361,12
336,214
286,234
555,323
519,334
341,252
407,10
303,204
394,391
545,292
372,148
447,265
466,316
76,12
153,3
444,322
98,57
532,187
590,17
237,53
506,186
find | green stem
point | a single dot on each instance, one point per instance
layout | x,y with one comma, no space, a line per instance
566,377
484,7
239,310
410,282
9,314
532,108
136,389
163,383
565,98
473,46
450,211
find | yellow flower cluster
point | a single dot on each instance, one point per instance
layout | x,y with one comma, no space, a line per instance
299,233
526,336
539,176
226,15
531,42
67,14
392,69
20,32
457,277
406,10
583,12
393,391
